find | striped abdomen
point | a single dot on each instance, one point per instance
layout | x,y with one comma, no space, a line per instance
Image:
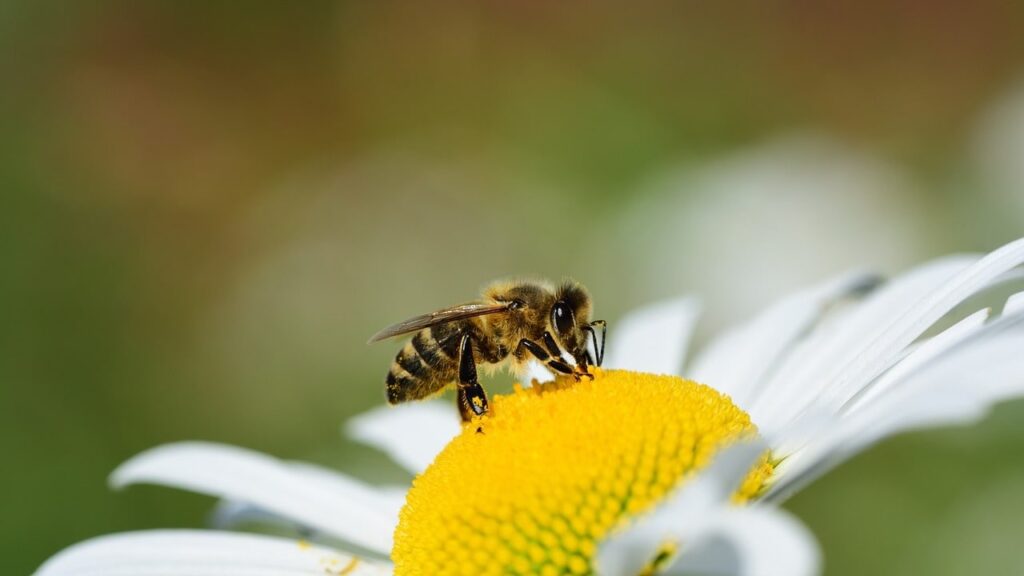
426,364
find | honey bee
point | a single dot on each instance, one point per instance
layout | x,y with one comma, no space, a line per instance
512,323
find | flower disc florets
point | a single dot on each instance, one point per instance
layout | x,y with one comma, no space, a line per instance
532,487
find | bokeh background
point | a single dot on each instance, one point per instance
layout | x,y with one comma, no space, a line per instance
208,207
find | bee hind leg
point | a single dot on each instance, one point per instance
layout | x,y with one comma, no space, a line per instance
472,399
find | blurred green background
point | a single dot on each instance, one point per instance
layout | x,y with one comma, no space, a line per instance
208,207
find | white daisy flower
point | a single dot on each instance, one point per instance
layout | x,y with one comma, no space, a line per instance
615,475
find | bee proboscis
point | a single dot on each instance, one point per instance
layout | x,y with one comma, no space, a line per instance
514,321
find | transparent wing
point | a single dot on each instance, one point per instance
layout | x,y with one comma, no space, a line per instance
451,314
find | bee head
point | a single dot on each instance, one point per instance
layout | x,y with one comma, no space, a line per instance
570,313
535,307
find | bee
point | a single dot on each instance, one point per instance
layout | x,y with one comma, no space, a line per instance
512,323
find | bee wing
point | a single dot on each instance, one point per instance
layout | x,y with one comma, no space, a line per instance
451,314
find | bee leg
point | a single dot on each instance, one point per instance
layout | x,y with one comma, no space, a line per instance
584,365
551,362
472,399
551,345
555,351
582,369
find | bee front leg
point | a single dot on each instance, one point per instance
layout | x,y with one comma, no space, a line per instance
556,352
598,347
553,362
472,399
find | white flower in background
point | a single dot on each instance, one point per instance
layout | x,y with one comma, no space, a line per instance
786,212
587,477
998,153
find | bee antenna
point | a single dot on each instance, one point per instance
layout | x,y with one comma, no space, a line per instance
598,348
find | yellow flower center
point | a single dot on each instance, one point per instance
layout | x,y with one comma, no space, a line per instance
533,486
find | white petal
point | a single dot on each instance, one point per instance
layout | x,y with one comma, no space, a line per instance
804,376
716,537
200,553
926,352
739,362
958,387
681,515
411,434
820,424
534,370
879,353
346,512
230,514
654,338
1014,304
388,500
750,541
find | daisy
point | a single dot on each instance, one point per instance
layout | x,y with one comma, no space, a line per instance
638,471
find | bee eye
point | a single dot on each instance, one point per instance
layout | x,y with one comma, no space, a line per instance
562,318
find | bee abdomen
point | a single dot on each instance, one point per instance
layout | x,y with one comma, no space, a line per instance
415,374
398,386
429,351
